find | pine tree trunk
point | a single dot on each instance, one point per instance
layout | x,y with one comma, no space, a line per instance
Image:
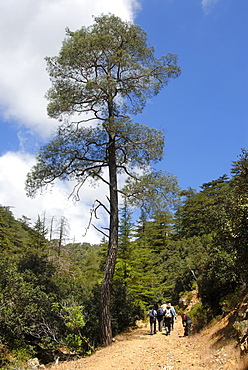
106,330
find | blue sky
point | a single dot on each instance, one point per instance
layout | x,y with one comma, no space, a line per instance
203,113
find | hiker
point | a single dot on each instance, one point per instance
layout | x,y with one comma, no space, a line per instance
160,318
167,319
174,315
186,321
152,315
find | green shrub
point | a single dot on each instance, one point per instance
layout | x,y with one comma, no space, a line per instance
230,301
241,327
198,315
15,360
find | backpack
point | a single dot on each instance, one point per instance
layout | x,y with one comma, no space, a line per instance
167,313
152,313
160,311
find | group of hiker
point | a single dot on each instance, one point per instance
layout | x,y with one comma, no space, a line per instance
165,315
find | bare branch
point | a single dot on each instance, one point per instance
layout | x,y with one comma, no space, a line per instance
93,210
101,205
100,231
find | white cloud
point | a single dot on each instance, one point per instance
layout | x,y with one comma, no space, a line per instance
208,4
31,30
14,168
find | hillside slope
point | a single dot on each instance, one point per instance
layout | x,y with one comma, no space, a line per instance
137,350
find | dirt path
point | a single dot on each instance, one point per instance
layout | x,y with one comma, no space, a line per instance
138,350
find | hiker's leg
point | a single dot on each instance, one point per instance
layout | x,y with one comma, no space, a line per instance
172,323
160,324
169,326
166,324
151,324
188,328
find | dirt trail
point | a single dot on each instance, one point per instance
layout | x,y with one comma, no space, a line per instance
137,350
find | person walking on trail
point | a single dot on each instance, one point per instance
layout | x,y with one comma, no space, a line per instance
167,319
152,316
186,321
174,315
160,318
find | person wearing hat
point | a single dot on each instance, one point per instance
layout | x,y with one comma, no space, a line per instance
174,315
167,319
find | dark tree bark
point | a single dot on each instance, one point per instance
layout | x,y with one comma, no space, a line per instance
106,331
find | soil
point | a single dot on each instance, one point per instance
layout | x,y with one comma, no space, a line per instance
138,350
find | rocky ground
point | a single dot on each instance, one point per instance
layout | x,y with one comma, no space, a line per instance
138,350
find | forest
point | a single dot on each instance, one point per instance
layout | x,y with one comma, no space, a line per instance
50,290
